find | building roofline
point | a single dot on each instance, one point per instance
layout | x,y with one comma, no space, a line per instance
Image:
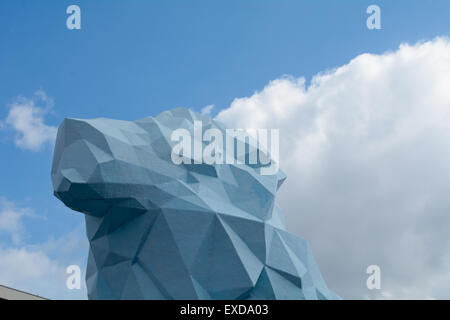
7,293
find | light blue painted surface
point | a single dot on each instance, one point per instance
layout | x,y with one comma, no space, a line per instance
158,230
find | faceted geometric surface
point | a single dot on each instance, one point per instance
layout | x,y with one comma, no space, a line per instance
158,230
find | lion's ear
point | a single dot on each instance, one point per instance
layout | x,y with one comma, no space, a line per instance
281,178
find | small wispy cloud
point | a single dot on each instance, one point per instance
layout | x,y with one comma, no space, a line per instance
207,110
11,220
26,118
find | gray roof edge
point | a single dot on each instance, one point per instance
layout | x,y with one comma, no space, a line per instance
8,293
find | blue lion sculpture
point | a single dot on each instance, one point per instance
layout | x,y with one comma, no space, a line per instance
160,230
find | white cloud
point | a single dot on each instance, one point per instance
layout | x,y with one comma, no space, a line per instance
366,148
27,120
33,271
39,268
11,220
207,110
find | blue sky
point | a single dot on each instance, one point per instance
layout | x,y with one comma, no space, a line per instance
133,59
